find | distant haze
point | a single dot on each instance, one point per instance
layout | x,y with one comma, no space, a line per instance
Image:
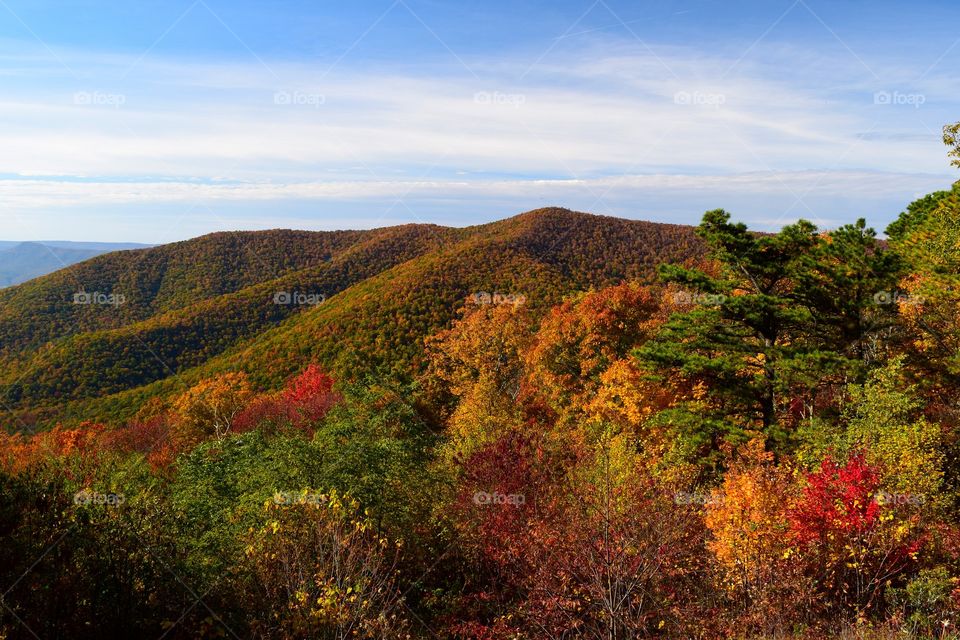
22,261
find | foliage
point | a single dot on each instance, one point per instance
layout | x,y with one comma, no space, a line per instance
303,402
601,550
478,360
579,341
779,318
210,408
951,138
320,570
931,300
853,535
883,417
916,213
764,444
747,519
737,344
186,333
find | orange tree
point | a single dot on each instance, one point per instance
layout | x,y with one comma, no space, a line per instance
747,519
578,341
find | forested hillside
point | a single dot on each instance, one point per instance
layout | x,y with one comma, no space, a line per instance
155,280
97,363
382,291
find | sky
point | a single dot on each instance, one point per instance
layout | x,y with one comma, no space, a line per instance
155,121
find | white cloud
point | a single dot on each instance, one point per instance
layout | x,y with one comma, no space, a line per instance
46,193
602,114
611,118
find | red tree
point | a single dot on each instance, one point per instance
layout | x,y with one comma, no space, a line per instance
852,544
305,400
838,501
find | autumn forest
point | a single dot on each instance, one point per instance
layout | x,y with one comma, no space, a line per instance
558,425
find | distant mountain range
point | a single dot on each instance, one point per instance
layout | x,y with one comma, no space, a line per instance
22,261
100,338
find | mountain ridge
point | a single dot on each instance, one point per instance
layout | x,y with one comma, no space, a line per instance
383,291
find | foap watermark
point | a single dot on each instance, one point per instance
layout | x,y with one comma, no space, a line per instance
497,98
496,498
482,297
895,297
99,99
699,98
89,497
897,98
289,498
98,297
298,298
299,99
709,299
899,499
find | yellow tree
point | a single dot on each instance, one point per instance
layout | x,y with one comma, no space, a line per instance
932,306
884,417
932,251
209,408
478,360
951,138
320,570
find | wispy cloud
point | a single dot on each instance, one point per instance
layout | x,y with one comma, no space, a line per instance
604,120
50,192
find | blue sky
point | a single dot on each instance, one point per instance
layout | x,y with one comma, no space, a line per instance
157,121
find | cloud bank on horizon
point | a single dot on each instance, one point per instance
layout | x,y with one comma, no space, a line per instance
168,120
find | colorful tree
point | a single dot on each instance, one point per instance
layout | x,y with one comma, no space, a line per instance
623,557
580,340
850,537
597,547
929,304
310,393
302,403
321,571
747,519
884,417
149,437
501,486
479,361
951,138
210,407
73,453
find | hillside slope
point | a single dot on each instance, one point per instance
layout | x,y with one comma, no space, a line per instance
97,363
383,294
155,280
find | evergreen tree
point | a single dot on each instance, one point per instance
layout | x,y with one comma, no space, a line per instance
777,313
738,344
848,284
